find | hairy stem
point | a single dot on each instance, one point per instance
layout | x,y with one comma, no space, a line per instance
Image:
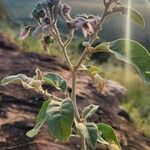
73,96
74,69
83,144
74,73
63,46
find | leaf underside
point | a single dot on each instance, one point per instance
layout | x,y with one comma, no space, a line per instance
40,120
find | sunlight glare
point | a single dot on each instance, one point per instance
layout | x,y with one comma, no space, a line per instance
148,3
128,34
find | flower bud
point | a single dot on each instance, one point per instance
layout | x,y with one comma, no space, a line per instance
66,9
24,33
48,40
39,6
41,13
47,21
35,13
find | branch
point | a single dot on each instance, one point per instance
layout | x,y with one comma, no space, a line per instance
89,47
48,95
70,38
63,46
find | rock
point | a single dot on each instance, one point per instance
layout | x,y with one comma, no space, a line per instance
19,107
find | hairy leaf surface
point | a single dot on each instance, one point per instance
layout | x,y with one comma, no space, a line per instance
90,132
56,81
89,110
40,120
136,54
59,118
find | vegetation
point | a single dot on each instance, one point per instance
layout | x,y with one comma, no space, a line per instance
64,112
2,10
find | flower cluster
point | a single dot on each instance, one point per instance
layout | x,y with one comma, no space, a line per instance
46,14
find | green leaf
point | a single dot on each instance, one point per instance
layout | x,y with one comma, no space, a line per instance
104,47
36,129
14,79
27,82
108,134
136,17
40,120
42,112
138,56
92,70
90,132
101,140
89,110
56,81
59,118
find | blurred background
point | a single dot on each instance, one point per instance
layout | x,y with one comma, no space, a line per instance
15,14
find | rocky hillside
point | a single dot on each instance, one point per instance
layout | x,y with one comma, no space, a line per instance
19,107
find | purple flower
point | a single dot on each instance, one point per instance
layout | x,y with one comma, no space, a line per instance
47,21
86,25
24,33
64,12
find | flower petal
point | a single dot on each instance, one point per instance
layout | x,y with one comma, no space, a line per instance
90,28
84,31
24,33
79,22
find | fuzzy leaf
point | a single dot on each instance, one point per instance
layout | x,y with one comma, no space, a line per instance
36,129
108,134
42,113
56,81
92,70
104,47
136,17
138,56
59,118
40,120
90,133
15,79
89,110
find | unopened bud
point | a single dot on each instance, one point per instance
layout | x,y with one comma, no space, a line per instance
66,9
41,13
48,40
47,21
35,13
39,6
24,33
